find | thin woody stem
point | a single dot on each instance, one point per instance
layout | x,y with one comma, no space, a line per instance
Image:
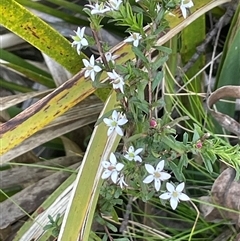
100,49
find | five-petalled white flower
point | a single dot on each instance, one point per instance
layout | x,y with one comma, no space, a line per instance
91,68
116,80
111,168
110,58
98,8
184,5
79,39
133,155
134,38
121,181
114,123
174,194
156,175
114,4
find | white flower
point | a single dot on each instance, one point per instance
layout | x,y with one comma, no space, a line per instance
117,80
98,8
133,155
121,181
79,39
156,175
91,68
135,38
158,8
114,4
112,168
174,194
109,57
184,5
114,123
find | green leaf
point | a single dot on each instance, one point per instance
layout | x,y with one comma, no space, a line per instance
207,162
139,54
177,173
157,80
112,227
159,62
173,144
35,31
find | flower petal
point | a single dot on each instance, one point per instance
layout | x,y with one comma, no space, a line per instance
97,69
128,157
180,187
150,169
136,43
137,159
183,197
84,42
148,179
81,32
92,60
138,151
170,187
114,176
173,203
92,75
85,62
105,164
165,196
131,149
119,131
122,121
110,75
113,159
87,73
129,39
157,184
110,130
115,115
184,11
164,176
106,174
160,166
107,121
119,167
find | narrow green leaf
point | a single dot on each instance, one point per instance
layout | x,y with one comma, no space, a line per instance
13,86
139,54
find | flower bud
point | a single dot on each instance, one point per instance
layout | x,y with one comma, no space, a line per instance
199,144
153,123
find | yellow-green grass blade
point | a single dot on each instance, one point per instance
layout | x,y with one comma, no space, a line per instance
53,12
77,88
88,180
35,31
190,40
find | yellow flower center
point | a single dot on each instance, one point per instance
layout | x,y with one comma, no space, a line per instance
110,168
175,194
157,174
116,81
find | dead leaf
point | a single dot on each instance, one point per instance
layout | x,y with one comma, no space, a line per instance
225,193
224,120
